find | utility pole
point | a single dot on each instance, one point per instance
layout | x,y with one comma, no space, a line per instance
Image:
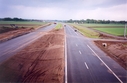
125,31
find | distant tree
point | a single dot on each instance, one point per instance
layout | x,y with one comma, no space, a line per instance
7,19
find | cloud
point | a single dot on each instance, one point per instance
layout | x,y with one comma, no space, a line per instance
64,9
111,13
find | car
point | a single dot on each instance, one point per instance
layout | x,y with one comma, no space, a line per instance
64,25
54,22
75,30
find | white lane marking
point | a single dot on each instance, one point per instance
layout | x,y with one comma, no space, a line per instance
86,65
76,33
65,57
105,64
80,52
76,44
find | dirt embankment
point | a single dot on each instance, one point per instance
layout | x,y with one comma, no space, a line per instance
11,33
40,62
116,50
14,33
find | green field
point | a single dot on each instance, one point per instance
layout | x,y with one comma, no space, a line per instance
6,26
26,24
114,29
21,22
102,25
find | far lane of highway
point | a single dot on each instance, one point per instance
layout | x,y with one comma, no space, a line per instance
9,48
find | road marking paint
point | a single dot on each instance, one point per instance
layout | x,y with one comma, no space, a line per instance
80,52
65,57
76,44
86,65
105,64
76,33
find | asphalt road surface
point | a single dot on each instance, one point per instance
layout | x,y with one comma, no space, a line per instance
86,63
9,48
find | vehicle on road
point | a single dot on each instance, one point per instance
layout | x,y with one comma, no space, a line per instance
75,30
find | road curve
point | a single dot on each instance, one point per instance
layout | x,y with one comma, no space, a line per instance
9,48
86,63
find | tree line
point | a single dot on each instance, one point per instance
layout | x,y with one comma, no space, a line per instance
12,19
96,21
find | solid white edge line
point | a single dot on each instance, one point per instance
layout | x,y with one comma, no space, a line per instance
105,64
65,57
86,65
80,52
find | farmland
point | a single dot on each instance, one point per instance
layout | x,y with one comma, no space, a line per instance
21,22
18,24
12,29
114,29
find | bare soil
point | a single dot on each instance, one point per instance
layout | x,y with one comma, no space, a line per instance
116,50
40,62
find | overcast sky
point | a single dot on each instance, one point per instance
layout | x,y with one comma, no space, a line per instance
64,9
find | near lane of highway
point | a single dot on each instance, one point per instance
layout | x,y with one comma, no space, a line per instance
86,63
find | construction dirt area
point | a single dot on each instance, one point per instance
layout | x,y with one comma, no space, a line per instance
115,49
40,62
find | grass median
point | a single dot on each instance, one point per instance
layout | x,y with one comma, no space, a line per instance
58,26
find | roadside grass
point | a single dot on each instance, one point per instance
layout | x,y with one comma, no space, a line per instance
58,26
114,29
85,31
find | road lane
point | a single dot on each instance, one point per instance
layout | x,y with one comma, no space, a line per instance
84,67
9,48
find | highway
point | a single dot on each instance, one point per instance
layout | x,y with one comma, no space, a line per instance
9,48
86,63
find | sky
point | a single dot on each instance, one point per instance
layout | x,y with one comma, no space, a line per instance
64,9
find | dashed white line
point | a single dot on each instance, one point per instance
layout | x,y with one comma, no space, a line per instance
80,52
105,64
76,33
86,65
76,44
